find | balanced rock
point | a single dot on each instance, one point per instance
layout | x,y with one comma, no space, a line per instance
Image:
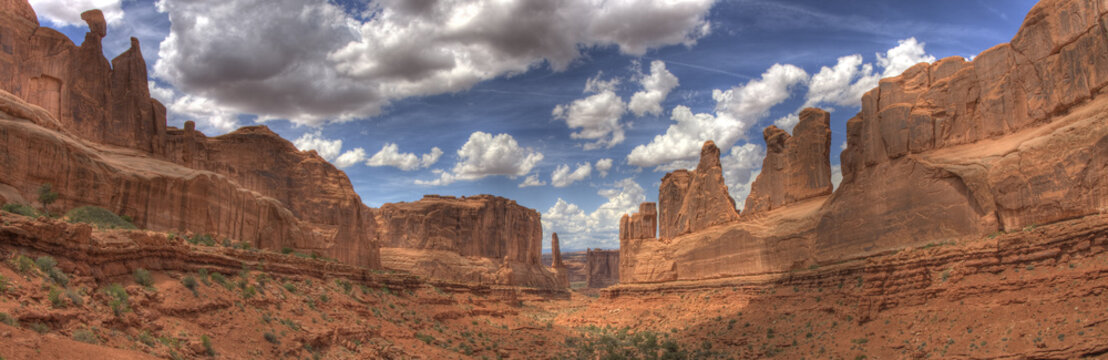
796,167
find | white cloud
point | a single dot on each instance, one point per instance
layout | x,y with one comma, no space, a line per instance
601,227
906,54
68,12
597,116
836,175
562,177
329,149
656,87
311,62
737,109
532,180
390,155
209,116
842,85
740,168
603,166
787,122
164,95
485,155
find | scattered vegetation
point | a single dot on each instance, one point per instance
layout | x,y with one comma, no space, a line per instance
190,283
270,337
118,299
207,343
97,216
46,195
21,209
143,277
86,336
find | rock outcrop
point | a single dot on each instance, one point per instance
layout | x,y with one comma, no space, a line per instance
946,152
796,167
481,238
692,201
89,127
561,273
640,225
603,268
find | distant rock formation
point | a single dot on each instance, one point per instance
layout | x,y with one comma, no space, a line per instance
561,273
603,268
483,238
640,225
796,167
692,201
949,151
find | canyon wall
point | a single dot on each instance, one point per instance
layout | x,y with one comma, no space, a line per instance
89,128
796,167
481,238
946,152
602,268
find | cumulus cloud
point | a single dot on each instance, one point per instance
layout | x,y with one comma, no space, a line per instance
656,87
737,109
597,116
486,155
836,175
390,155
850,78
329,149
210,117
312,62
562,177
787,122
600,227
740,168
68,12
603,166
531,180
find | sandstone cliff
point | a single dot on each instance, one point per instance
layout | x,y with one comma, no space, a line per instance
480,238
796,167
90,128
692,201
946,152
602,268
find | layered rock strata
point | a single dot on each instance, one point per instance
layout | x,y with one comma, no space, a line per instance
796,167
950,151
696,200
602,268
483,238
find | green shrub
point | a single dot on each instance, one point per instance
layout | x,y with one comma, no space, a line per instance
58,276
118,301
145,338
270,337
55,296
45,263
427,339
100,217
86,336
40,328
143,277
9,320
23,264
204,277
249,292
286,250
290,287
46,195
21,209
204,340
190,283
201,239
3,284
75,297
221,280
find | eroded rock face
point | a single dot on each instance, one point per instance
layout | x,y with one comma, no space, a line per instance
603,268
640,225
796,167
499,230
561,273
692,201
90,128
946,152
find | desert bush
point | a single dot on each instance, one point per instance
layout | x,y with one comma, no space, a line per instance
143,277
3,284
118,299
190,283
46,195
55,296
290,287
45,263
86,336
58,276
40,328
97,216
21,209
221,280
74,297
207,343
270,337
145,338
23,264
204,277
8,320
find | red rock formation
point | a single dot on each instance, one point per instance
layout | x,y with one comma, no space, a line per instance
694,201
946,152
561,273
480,238
603,268
640,225
796,167
100,139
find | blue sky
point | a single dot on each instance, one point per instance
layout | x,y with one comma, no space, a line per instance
479,97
